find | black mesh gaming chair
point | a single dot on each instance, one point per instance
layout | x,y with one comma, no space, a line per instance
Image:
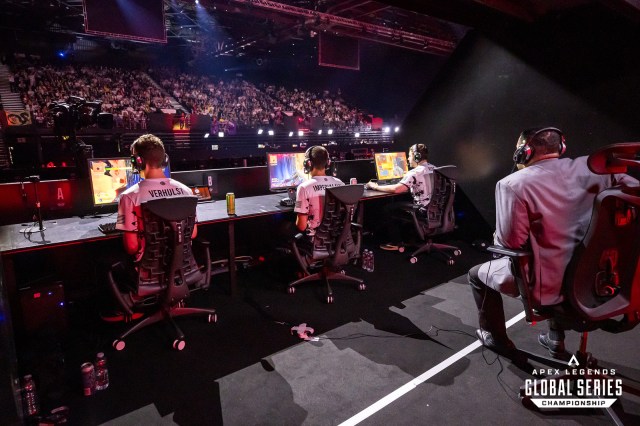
439,217
167,272
602,282
335,243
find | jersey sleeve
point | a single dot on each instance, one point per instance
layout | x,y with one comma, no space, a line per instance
302,200
127,219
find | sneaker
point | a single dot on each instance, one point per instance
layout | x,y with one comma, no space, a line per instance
499,345
555,347
389,246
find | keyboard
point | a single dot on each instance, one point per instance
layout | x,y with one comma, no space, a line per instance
287,202
108,228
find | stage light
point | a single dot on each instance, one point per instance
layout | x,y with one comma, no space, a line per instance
319,132
330,131
206,135
386,129
61,54
260,131
397,129
300,133
290,134
357,135
221,134
270,132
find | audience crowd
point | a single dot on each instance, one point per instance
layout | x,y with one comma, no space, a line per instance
131,94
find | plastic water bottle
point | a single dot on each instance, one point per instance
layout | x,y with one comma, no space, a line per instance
30,397
102,374
371,261
365,260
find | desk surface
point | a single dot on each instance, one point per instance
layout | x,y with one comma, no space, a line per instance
76,229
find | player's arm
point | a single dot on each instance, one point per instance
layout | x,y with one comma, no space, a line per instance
130,241
398,188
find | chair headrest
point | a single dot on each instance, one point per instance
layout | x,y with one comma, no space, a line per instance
615,158
347,194
172,209
448,171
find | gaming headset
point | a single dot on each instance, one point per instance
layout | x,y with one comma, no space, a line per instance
417,156
138,163
308,160
525,152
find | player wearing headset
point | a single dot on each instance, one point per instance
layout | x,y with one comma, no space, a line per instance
545,207
310,193
418,181
148,158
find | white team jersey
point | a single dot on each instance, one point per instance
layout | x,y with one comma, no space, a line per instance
310,199
419,180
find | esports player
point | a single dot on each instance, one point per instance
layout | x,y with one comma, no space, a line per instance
544,207
418,181
148,157
310,193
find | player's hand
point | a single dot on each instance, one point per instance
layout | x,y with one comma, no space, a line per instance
371,185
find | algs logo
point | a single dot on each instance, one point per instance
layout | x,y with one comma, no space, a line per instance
574,387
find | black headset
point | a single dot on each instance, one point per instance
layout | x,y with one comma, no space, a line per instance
308,160
525,152
417,156
138,163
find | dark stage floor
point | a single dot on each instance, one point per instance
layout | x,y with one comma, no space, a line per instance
382,357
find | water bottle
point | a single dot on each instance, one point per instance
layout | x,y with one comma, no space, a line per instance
30,397
102,374
371,261
365,260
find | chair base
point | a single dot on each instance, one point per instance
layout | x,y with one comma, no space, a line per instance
326,275
167,315
430,247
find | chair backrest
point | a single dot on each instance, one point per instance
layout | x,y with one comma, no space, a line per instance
167,261
439,217
603,279
334,237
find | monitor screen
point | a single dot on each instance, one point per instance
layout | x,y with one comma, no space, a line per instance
391,165
286,170
110,177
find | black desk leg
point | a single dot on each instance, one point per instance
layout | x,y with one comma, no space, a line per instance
233,288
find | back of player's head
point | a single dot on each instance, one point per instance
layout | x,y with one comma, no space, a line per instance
150,149
539,141
419,152
316,157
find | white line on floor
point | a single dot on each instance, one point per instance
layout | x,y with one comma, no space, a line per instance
381,403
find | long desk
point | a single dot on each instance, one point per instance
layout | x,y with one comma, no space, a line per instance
76,230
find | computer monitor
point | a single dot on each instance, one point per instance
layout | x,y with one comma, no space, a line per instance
286,170
110,177
390,165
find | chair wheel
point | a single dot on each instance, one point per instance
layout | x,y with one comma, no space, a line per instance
457,252
329,299
450,262
291,290
118,344
362,286
401,249
179,344
212,318
413,259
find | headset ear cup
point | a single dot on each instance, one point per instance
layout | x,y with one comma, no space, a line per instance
563,146
165,160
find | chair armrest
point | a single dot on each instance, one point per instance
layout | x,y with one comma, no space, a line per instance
509,252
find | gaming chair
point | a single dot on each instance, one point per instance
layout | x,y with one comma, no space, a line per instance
335,243
167,272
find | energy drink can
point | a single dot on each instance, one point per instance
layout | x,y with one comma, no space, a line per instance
231,203
88,379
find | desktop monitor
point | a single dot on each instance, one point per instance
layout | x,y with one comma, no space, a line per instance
391,165
110,177
286,170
